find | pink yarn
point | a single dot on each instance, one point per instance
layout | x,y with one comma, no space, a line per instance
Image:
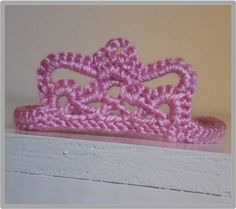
109,68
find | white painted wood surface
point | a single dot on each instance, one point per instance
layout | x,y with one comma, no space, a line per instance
39,189
139,166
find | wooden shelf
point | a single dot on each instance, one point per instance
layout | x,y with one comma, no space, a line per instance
114,161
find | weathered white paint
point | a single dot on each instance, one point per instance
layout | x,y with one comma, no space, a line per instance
144,166
38,189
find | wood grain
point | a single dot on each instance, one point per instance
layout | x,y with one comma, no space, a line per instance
144,166
39,189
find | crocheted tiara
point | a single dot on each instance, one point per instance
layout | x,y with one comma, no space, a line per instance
110,67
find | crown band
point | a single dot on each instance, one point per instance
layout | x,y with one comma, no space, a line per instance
110,67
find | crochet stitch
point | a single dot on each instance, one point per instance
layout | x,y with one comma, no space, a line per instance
118,65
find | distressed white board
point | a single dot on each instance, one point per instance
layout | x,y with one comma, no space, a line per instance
151,167
39,189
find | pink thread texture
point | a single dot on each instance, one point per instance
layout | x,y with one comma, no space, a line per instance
117,64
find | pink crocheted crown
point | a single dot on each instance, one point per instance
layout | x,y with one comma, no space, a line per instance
109,67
